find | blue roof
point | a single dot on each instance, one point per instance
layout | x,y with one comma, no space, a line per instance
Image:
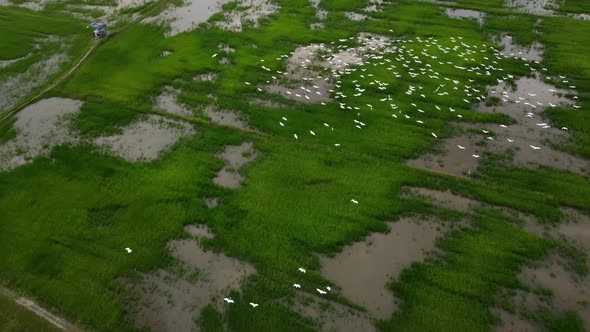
97,25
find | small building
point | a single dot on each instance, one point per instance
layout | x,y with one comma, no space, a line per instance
100,29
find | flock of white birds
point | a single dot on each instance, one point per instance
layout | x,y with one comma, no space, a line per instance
408,61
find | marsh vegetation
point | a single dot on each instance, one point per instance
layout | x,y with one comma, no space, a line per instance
191,161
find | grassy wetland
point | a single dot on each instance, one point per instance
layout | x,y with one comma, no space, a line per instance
192,172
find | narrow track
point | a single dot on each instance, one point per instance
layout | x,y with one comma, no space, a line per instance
53,319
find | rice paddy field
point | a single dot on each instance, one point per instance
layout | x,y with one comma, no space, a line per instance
295,165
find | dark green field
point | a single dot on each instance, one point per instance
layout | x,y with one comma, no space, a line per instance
65,218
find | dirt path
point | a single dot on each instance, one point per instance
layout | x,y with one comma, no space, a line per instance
58,322
31,100
94,44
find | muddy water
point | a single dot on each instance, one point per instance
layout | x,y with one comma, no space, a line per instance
363,270
17,86
166,101
531,53
445,198
235,156
513,323
169,302
199,231
466,13
331,316
146,139
569,291
235,19
452,160
187,16
225,118
40,127
312,86
578,228
536,7
304,85
524,105
211,202
532,96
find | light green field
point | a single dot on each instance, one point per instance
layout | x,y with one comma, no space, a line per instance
66,219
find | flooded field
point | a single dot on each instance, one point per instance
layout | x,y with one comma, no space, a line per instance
19,85
466,14
187,16
147,139
250,13
166,101
171,302
39,127
225,118
363,270
531,53
235,156
331,316
528,141
286,128
569,291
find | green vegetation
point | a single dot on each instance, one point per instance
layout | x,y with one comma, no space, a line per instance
575,6
520,27
101,119
70,216
565,54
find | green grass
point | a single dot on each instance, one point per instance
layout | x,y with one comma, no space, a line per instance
21,28
103,119
71,215
520,27
15,318
342,5
565,54
575,6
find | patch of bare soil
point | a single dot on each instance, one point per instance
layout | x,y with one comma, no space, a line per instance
363,270
146,139
170,302
40,127
329,316
235,156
